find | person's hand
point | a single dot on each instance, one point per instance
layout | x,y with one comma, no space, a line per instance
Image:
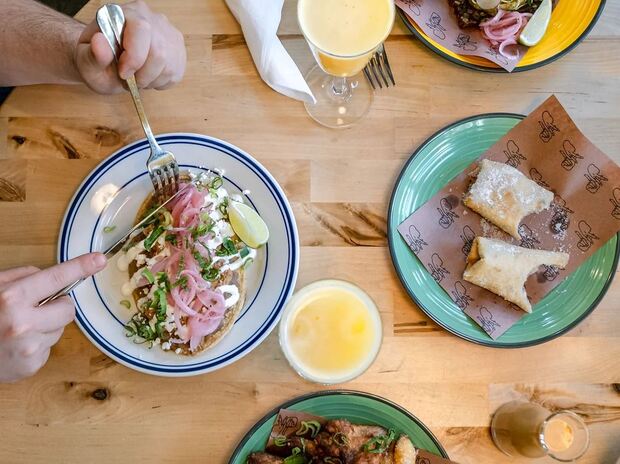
154,50
27,332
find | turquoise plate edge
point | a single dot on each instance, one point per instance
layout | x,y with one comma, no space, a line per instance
483,339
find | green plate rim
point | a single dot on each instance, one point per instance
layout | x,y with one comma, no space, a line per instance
490,343
529,67
319,394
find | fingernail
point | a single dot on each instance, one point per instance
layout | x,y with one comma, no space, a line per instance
99,260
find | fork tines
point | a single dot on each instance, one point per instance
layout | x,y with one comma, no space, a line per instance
379,65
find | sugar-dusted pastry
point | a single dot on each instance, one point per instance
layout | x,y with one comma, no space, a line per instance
503,268
504,196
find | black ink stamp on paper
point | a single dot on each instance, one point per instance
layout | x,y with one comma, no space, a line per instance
570,155
537,177
446,213
560,220
434,22
468,237
615,201
436,268
460,296
486,321
465,43
528,240
547,127
586,236
595,178
513,154
413,6
550,272
496,56
415,240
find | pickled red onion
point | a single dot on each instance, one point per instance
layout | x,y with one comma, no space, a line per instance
503,29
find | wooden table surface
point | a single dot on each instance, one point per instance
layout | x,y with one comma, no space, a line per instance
84,407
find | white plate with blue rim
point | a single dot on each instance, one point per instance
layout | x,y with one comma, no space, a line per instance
104,207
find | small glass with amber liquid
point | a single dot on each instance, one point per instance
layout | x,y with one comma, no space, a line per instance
526,429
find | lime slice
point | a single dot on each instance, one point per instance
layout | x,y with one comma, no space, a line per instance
247,224
535,29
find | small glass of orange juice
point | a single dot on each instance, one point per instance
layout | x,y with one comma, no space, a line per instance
343,35
330,331
526,429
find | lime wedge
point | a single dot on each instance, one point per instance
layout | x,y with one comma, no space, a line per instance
535,29
247,224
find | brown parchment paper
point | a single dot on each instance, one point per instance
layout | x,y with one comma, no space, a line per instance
437,20
547,147
288,422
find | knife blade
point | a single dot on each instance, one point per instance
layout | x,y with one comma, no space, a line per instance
116,247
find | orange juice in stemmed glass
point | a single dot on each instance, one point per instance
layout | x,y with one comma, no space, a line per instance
343,35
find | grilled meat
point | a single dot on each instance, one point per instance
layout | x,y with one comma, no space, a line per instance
469,16
264,458
341,442
285,449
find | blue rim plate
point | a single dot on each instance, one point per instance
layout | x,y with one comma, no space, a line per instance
111,195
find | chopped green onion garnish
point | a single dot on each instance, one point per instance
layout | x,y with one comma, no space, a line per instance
130,330
167,218
148,275
126,303
108,229
151,239
182,282
162,303
377,445
228,248
210,274
200,230
217,182
280,440
309,426
244,252
296,457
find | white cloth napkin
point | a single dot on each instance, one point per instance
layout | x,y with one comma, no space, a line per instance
259,20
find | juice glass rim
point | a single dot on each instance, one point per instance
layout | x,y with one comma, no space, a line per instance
356,55
284,325
543,426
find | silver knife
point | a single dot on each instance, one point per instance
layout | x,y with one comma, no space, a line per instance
115,248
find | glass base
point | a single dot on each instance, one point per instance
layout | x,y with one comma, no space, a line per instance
340,102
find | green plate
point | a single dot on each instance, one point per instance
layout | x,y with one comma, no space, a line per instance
358,407
433,165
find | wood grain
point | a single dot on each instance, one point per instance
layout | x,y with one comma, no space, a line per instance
84,407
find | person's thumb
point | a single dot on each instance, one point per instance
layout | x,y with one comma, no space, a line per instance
100,51
95,56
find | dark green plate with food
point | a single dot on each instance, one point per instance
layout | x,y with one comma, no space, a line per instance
356,407
434,164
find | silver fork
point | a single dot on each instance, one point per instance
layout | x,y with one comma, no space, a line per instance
162,165
379,66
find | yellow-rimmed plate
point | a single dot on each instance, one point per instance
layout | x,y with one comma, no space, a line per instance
571,21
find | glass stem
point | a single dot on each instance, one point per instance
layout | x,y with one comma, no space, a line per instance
340,87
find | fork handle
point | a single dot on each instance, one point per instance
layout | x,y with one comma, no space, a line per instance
111,21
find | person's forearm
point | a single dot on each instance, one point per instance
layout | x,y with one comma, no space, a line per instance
37,44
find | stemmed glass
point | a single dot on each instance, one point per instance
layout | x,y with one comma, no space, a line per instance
335,31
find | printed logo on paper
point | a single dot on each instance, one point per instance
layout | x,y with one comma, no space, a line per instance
570,155
548,129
